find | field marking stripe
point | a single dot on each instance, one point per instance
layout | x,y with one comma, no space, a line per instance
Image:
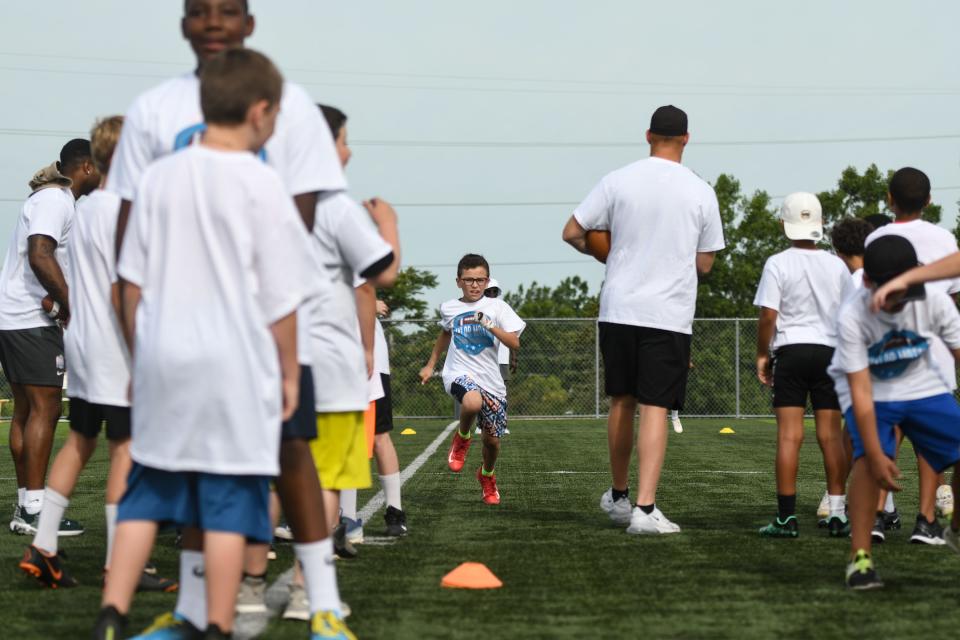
379,500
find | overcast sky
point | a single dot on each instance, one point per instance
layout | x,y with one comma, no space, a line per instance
487,122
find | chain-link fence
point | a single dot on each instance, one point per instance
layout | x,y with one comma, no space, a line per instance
560,372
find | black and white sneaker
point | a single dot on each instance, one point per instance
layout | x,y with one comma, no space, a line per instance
927,532
891,520
877,533
342,547
396,521
861,574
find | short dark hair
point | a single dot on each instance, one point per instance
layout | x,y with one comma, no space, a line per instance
910,190
73,153
234,80
878,220
472,261
245,3
334,117
849,236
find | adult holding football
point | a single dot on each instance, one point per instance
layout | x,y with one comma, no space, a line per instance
665,228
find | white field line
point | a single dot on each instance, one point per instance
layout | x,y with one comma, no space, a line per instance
378,501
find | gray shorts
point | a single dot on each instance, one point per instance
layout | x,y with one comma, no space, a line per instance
505,372
33,356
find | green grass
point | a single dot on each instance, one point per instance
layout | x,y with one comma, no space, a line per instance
567,571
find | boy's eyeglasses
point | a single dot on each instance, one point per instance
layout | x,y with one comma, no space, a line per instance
474,281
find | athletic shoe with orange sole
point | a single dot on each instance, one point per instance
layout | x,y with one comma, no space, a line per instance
457,456
488,485
48,570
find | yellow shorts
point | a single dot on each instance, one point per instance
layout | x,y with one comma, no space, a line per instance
340,451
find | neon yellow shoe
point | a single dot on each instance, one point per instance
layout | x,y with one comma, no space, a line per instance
329,624
169,626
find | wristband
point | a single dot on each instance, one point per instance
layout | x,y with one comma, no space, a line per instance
54,310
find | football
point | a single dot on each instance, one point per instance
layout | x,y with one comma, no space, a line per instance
598,244
47,304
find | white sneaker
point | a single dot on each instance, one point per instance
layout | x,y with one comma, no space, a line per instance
653,523
251,597
823,511
298,608
506,431
677,427
619,511
945,500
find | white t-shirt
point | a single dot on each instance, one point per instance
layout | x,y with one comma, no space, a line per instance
219,252
896,347
660,215
805,287
931,242
345,242
96,353
381,352
48,212
857,278
473,349
168,118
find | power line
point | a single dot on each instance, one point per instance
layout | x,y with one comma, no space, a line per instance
790,93
524,79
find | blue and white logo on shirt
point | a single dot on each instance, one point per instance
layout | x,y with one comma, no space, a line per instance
894,352
469,335
192,134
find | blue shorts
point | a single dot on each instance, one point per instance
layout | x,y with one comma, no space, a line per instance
493,411
207,501
302,425
932,424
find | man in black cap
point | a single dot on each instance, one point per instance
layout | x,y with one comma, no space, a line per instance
666,228
33,307
886,359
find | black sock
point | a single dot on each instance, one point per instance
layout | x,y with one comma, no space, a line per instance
617,494
647,508
786,506
262,576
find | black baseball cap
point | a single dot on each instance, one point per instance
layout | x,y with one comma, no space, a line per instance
889,256
668,121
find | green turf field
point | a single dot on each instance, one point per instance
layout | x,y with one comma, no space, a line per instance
567,571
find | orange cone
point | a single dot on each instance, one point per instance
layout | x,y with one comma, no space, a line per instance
471,575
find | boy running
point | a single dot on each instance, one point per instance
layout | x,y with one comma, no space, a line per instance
212,274
894,378
99,375
798,295
165,119
477,326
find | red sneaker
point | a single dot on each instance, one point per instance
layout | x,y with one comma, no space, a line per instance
488,485
457,456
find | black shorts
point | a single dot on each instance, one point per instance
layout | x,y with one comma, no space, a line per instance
86,419
302,425
33,356
649,364
384,408
799,370
505,372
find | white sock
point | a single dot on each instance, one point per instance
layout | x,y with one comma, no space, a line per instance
33,501
675,414
111,510
192,595
348,503
889,507
49,521
21,496
836,505
391,489
319,575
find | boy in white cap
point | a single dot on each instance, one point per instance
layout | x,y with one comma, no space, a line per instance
799,294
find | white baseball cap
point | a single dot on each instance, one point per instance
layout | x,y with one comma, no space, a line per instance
492,284
802,216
